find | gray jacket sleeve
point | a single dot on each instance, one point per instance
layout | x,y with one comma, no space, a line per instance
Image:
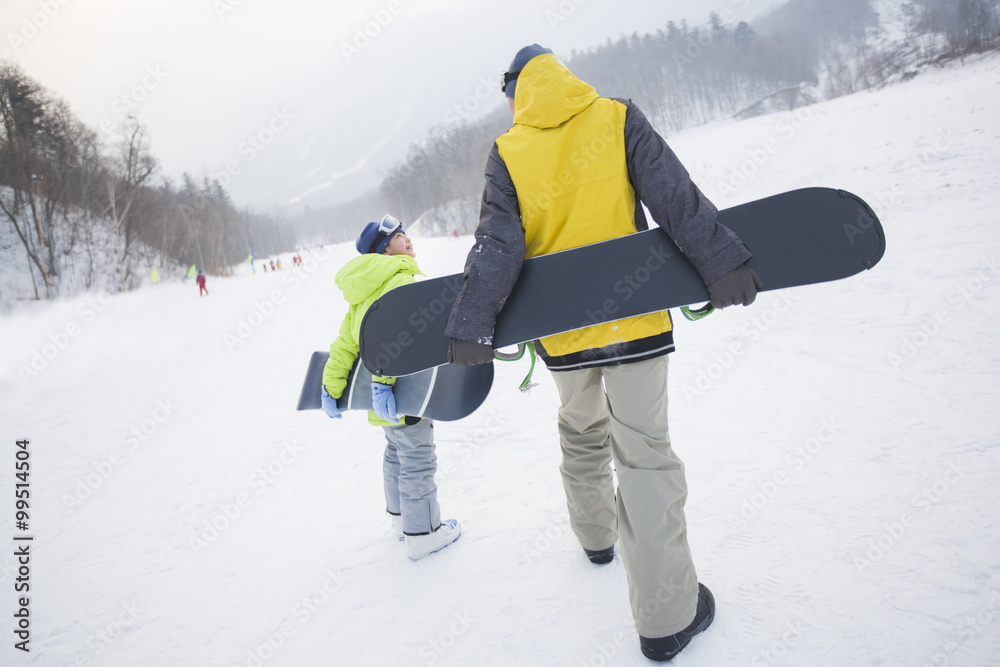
678,206
494,263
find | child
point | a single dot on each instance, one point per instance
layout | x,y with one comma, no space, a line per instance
387,260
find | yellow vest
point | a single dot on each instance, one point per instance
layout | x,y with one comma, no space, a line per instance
566,158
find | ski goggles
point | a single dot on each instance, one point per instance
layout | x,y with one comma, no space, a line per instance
389,225
386,229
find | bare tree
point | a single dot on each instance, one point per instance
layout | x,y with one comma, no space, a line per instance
39,159
130,169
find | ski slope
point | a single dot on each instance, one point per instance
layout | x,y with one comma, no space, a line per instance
842,445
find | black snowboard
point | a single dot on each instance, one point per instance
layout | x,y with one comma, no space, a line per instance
800,237
445,394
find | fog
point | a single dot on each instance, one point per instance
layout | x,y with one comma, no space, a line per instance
302,103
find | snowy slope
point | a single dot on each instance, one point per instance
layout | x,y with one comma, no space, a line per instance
842,444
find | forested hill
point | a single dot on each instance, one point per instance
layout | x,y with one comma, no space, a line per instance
685,75
84,209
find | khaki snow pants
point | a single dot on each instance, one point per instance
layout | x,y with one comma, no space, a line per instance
619,413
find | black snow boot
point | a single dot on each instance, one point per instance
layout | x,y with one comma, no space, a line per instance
602,557
665,648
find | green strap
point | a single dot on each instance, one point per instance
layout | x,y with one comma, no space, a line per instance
510,356
526,384
697,313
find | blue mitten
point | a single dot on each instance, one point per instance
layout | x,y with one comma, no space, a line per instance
384,402
329,404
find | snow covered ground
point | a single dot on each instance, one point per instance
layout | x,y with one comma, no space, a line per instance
842,443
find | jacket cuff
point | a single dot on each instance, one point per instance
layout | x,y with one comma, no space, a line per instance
471,331
723,262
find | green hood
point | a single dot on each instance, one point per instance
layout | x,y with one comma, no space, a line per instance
548,94
366,276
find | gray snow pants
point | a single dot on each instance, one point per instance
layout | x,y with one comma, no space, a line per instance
408,469
619,413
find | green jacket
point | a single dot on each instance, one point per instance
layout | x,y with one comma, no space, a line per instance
363,280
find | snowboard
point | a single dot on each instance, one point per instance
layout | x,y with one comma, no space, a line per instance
806,236
445,393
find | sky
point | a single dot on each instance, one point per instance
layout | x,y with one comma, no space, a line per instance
302,102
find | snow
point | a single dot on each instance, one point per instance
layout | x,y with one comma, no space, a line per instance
841,445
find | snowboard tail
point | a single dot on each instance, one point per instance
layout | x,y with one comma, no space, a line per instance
800,237
447,393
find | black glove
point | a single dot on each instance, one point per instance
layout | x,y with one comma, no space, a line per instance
467,353
738,286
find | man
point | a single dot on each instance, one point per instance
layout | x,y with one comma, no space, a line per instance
570,172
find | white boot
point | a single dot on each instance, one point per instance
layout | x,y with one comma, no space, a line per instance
397,526
418,546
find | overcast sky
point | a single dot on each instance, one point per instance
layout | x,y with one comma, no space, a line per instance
303,101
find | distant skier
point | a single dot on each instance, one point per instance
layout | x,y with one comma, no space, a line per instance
272,265
388,260
202,290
